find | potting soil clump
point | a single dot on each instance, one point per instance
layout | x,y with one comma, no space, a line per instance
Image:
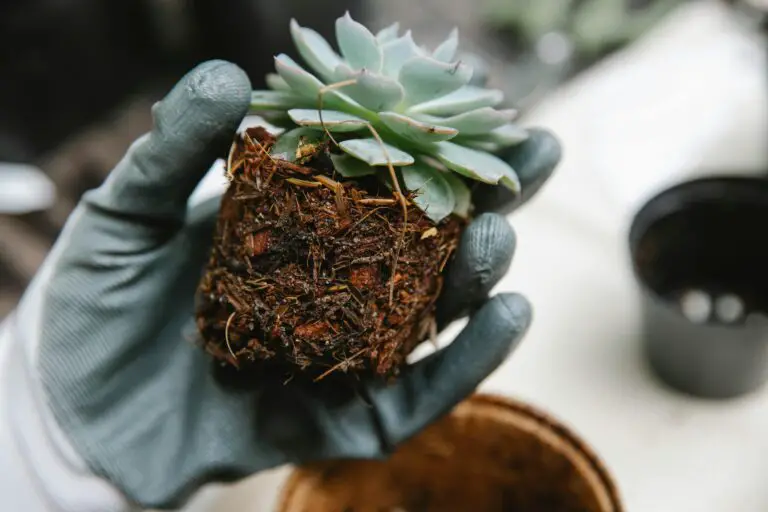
316,274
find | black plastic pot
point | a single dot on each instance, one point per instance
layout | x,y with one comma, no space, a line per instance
700,253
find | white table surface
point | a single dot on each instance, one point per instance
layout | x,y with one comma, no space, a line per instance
686,100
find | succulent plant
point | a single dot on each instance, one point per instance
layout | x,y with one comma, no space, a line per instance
314,275
391,102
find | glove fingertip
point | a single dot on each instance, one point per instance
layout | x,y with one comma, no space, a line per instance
434,385
491,336
517,312
535,160
484,256
192,126
489,243
208,102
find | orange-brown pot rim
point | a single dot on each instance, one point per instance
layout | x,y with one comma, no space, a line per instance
565,434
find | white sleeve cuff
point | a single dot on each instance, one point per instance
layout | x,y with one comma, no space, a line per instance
39,468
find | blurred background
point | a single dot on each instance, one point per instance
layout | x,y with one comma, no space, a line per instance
78,77
642,93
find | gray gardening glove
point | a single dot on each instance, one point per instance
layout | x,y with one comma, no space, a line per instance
139,402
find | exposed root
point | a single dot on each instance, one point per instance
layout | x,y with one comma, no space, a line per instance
433,332
303,183
345,363
226,337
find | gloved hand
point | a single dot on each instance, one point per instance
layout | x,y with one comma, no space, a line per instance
109,322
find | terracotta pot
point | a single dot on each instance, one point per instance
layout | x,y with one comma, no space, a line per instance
489,454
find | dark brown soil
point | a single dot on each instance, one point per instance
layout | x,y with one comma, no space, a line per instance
315,275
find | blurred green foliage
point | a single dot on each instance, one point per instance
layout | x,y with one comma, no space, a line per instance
593,26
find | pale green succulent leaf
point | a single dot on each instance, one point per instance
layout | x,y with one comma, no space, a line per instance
377,92
342,73
373,152
475,122
336,100
351,167
315,50
461,194
462,100
478,143
512,182
432,193
425,78
446,51
373,91
274,100
308,86
508,135
300,81
397,52
476,164
276,83
416,131
331,120
252,120
286,145
358,46
277,118
388,34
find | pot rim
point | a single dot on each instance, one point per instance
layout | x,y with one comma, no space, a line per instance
747,189
520,415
